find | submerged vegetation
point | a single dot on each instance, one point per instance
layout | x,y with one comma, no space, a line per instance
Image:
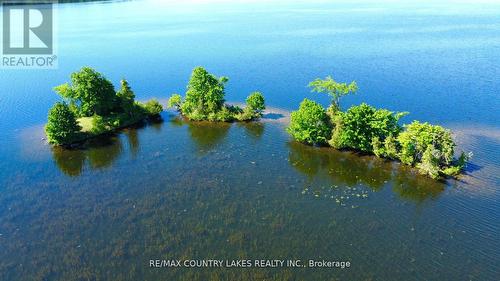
204,100
92,107
364,128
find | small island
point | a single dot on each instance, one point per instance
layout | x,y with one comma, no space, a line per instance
205,100
369,130
92,107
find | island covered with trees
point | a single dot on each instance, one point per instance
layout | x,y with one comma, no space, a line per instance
366,129
204,100
92,107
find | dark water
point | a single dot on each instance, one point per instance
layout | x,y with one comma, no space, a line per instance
177,190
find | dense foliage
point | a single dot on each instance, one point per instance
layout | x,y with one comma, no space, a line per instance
418,137
204,100
360,125
310,124
205,94
256,104
90,91
126,97
99,125
430,148
92,98
62,126
153,107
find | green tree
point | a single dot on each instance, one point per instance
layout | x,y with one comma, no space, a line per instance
153,107
256,104
363,126
418,136
205,94
333,88
310,124
90,91
62,126
175,101
126,97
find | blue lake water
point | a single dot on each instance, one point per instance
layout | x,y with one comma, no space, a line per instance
182,190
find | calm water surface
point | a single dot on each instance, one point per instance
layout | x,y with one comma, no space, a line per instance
176,190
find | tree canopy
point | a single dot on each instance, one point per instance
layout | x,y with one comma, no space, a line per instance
310,124
204,100
93,100
255,102
125,96
361,124
90,91
429,148
205,93
62,126
333,88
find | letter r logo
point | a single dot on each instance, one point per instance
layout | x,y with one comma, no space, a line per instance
27,28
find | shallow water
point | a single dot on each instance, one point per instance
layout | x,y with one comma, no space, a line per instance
177,189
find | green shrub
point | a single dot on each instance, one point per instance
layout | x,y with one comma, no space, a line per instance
310,124
99,126
62,126
452,171
205,100
459,165
429,164
378,147
386,149
391,147
255,104
196,115
126,97
362,124
226,114
205,93
336,139
418,136
153,107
